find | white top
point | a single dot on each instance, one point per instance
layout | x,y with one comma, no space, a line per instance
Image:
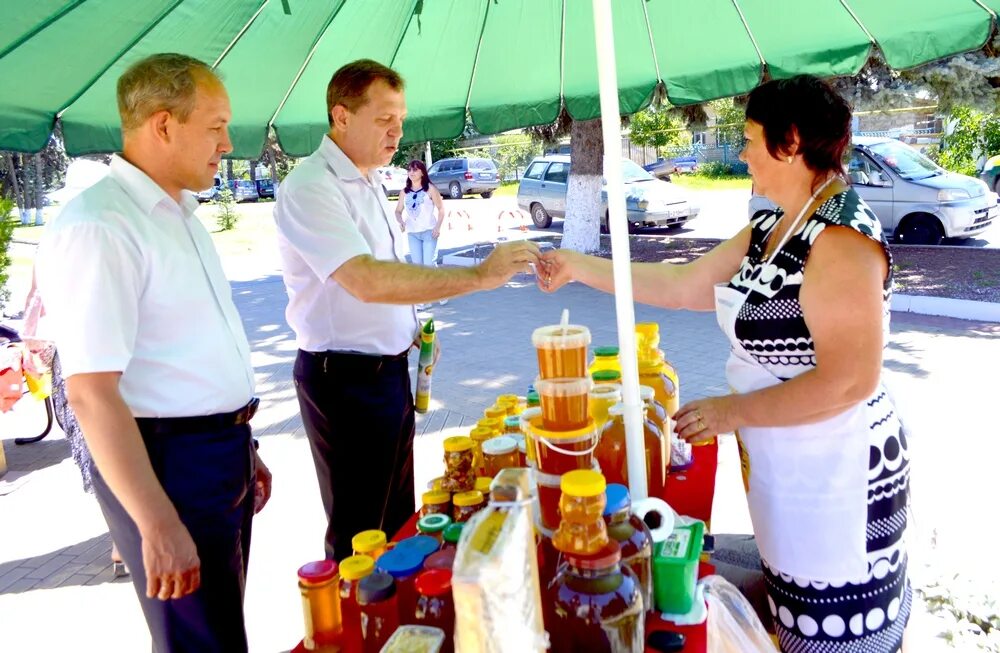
328,213
132,283
419,212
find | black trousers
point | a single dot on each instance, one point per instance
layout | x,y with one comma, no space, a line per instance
209,479
358,414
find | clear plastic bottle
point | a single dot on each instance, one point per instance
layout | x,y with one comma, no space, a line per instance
581,527
605,358
612,458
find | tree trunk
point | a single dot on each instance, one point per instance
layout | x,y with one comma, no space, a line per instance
273,165
582,226
253,171
229,170
12,171
39,190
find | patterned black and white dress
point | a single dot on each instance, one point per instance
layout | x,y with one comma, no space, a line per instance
811,615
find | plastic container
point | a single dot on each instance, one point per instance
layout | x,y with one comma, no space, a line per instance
522,451
613,461
499,453
479,435
605,358
415,639
433,525
403,565
467,504
558,452
675,568
526,416
633,537
459,455
452,535
511,403
564,402
443,559
561,350
581,530
494,424
601,399
378,602
319,585
658,413
597,605
435,607
423,545
435,502
353,570
371,543
601,377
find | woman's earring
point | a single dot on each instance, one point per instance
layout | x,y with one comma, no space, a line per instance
790,159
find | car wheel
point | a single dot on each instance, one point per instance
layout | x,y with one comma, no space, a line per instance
634,227
540,216
920,230
455,190
488,194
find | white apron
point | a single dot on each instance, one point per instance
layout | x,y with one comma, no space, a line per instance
806,485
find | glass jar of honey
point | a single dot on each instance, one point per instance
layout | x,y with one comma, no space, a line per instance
433,525
602,377
581,527
499,453
611,451
467,504
435,502
319,585
605,358
371,543
459,460
352,570
495,412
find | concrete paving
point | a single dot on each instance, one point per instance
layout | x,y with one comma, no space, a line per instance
56,587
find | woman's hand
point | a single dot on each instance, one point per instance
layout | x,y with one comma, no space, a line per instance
702,419
556,269
402,226
436,233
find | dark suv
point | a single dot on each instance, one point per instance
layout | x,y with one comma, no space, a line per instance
457,177
265,188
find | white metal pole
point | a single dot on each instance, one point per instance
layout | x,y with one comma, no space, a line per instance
607,76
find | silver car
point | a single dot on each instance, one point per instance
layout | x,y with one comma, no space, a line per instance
917,201
649,201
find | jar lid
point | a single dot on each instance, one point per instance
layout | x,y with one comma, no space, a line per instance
483,484
401,562
618,498
368,541
443,559
421,544
646,393
356,567
433,582
607,392
532,398
435,483
507,399
435,497
522,445
433,523
495,412
482,433
606,351
493,423
557,336
609,555
500,446
606,376
470,498
583,483
376,587
458,443
317,572
512,422
453,532
528,415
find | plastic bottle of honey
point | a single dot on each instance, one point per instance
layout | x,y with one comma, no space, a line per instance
581,527
605,358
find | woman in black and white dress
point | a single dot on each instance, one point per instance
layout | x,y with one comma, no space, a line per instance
803,296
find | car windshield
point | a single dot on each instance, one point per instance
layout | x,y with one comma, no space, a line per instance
905,161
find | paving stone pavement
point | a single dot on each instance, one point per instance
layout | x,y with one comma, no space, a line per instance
54,546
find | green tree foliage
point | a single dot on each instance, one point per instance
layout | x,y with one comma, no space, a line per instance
225,215
439,150
657,128
6,233
511,152
975,134
729,116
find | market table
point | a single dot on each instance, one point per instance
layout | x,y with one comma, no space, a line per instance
689,493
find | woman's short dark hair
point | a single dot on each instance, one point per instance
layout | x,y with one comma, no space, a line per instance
350,83
417,164
809,106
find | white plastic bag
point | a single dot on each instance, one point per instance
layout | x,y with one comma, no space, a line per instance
733,626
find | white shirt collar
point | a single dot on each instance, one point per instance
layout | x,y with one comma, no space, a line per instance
341,165
144,191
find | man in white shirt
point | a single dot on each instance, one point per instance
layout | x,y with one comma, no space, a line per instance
156,361
351,298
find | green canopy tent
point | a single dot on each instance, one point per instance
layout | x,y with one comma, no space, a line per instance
508,63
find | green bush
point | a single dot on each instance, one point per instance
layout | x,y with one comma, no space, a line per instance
225,216
717,170
6,234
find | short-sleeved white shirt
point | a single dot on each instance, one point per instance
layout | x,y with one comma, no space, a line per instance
328,213
131,283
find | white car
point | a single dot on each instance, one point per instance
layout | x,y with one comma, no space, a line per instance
393,180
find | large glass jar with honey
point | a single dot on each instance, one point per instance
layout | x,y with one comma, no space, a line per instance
633,537
611,451
319,585
598,605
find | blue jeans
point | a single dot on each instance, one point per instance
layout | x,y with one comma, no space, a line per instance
423,248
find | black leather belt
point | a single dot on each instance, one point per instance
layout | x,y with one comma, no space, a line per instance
329,360
200,423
